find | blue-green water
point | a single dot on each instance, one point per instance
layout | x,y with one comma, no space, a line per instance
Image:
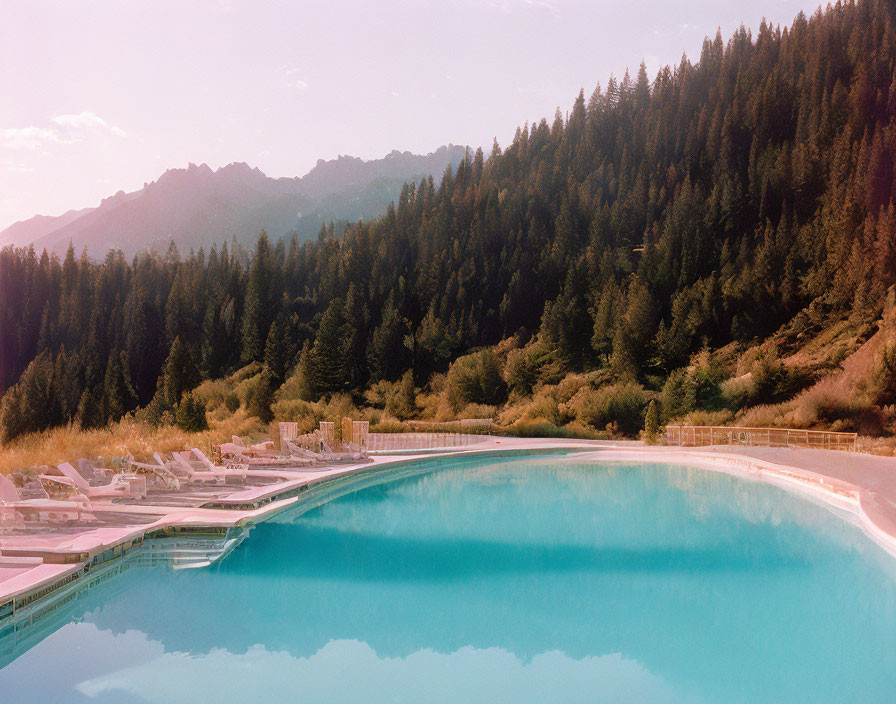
510,580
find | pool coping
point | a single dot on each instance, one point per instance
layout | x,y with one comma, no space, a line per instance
872,510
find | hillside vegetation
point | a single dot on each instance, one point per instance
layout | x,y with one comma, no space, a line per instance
717,240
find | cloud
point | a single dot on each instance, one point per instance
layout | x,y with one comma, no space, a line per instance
87,120
291,73
508,6
467,674
63,129
31,137
18,168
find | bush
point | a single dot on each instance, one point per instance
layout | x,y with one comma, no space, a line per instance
526,429
232,402
527,366
773,382
476,378
297,411
699,417
190,414
250,370
835,407
157,412
618,408
402,402
379,393
214,392
297,385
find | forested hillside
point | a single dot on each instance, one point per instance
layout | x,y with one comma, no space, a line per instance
716,203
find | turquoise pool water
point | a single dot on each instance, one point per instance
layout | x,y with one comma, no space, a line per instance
502,580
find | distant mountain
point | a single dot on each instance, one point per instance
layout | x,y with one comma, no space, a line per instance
197,207
26,231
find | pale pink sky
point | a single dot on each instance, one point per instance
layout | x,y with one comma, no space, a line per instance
102,96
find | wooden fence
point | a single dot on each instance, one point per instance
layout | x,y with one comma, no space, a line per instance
707,435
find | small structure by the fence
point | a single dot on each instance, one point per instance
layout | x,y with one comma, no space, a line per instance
354,434
707,435
328,434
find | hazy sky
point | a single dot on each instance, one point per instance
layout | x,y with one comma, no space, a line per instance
101,96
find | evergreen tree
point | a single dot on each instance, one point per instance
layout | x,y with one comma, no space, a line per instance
263,396
327,362
180,374
190,414
279,354
718,202
119,396
651,422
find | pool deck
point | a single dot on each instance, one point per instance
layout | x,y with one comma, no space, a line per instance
34,561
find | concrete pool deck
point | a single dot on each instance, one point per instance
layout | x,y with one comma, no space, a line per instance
37,563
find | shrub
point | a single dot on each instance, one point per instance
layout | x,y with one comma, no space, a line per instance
478,410
476,378
247,372
773,382
190,415
214,392
527,366
402,402
232,402
833,406
379,393
737,390
157,411
338,406
298,411
699,417
297,386
618,406
527,429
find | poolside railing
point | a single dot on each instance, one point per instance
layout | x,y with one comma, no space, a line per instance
399,442
710,435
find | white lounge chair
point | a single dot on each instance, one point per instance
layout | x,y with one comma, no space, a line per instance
181,465
239,472
120,485
159,472
260,447
46,509
301,454
94,475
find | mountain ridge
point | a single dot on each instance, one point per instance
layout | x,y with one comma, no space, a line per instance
197,206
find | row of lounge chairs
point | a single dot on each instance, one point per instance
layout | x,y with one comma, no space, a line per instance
73,489
79,487
15,509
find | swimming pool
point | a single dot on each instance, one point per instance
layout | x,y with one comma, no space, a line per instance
528,579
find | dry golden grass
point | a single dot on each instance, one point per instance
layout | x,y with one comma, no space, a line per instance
140,439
